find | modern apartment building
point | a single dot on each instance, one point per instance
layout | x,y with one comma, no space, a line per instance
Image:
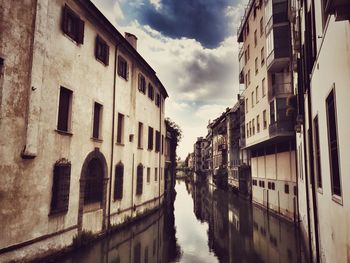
321,40
265,69
81,123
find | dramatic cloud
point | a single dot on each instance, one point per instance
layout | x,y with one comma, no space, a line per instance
201,81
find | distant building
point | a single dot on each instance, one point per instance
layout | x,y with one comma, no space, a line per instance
81,127
265,71
199,156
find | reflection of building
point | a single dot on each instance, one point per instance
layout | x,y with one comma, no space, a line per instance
266,72
321,40
82,127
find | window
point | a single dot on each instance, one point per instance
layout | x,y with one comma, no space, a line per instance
122,68
246,105
264,119
333,143
101,50
148,174
158,100
257,123
295,190
261,27
245,56
155,174
263,88
60,187
140,136
262,54
120,130
253,124
157,141
252,99
317,153
97,121
246,80
255,38
150,138
247,28
256,66
118,181
248,76
150,91
139,179
162,144
142,84
250,128
247,130
256,94
248,52
286,188
72,25
93,189
64,110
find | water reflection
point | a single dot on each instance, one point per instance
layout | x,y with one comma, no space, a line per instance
204,224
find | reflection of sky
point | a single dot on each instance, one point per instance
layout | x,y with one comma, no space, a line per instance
191,234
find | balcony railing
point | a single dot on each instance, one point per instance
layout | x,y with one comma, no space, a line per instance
281,128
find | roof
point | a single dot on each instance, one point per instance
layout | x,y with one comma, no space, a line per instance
119,38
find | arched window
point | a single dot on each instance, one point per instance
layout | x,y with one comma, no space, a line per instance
118,181
139,181
93,182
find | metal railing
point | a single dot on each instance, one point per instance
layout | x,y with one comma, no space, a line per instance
281,128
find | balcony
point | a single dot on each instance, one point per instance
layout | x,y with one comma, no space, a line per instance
279,89
281,128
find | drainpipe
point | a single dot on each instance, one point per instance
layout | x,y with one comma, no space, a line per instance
112,139
160,142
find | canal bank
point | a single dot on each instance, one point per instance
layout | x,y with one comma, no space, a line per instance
204,224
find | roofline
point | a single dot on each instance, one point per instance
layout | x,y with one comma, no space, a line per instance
244,19
120,39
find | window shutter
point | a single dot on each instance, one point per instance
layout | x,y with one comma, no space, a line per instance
81,32
60,188
64,23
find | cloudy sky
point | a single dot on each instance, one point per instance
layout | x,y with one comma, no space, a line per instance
192,46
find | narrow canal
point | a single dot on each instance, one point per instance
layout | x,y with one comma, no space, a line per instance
204,225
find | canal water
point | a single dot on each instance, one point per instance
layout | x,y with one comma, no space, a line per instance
204,224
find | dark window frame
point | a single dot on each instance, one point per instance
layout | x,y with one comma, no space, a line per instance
140,136
64,109
72,25
150,91
150,138
317,153
118,181
120,128
123,69
101,50
142,83
139,179
97,120
157,144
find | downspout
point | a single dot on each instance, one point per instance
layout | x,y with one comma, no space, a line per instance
112,139
160,146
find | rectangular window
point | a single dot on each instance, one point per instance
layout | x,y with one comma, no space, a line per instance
246,105
255,38
60,188
148,174
263,88
118,182
142,84
158,100
286,188
247,130
261,27
101,50
162,144
140,136
72,25
150,91
155,174
139,179
248,76
253,124
257,94
252,99
257,123
64,110
250,128
264,119
120,130
97,121
150,138
122,68
157,141
317,153
262,54
248,52
333,144
256,66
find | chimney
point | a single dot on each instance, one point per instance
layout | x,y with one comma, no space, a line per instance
132,39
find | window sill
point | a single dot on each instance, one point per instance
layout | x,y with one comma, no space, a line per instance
119,144
338,199
58,213
66,133
140,148
92,207
101,61
150,150
319,190
96,139
124,78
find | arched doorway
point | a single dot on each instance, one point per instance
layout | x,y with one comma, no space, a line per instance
93,188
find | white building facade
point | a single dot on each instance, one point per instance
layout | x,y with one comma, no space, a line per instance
82,127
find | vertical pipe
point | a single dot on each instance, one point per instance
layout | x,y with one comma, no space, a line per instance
112,139
160,146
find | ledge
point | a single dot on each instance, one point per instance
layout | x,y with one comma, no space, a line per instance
66,133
